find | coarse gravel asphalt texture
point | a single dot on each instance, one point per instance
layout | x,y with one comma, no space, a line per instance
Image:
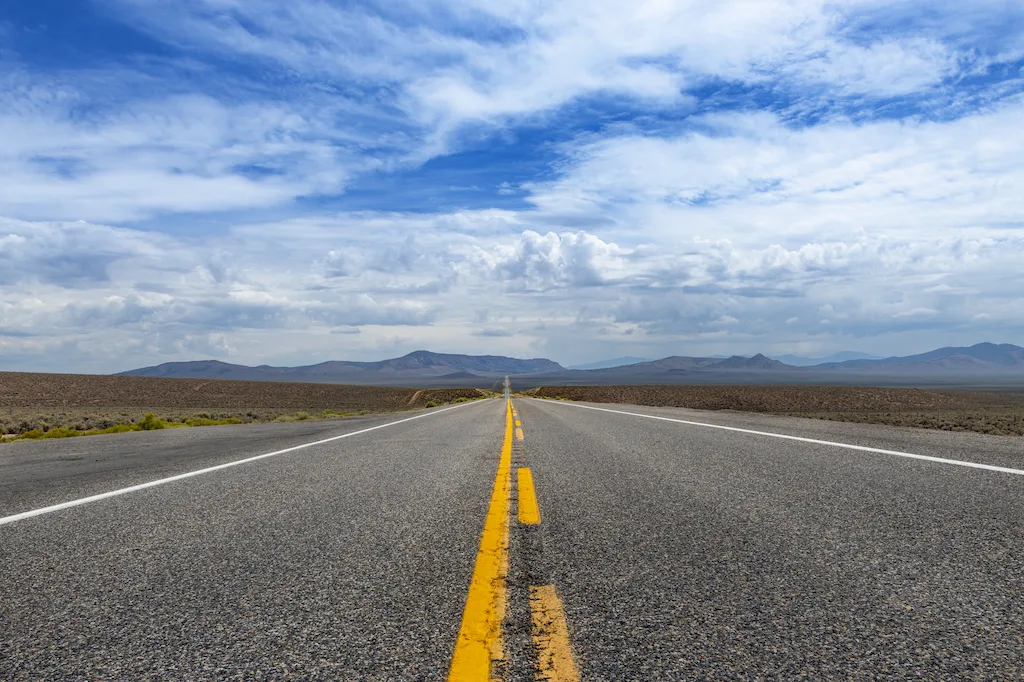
347,560
679,552
684,552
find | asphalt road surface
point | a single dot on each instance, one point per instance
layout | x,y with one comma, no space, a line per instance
635,549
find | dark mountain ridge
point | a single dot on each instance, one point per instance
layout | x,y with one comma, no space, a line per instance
756,362
985,363
982,365
418,364
978,356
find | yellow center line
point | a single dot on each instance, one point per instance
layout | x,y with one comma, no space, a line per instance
555,661
519,434
529,511
479,644
518,423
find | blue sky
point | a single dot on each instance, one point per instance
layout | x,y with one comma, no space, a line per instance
265,182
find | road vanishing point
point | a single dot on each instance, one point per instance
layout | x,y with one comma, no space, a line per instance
516,539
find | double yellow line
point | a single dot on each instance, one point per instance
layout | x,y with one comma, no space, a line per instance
479,641
479,650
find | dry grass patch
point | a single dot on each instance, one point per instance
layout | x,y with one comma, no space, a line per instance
66,405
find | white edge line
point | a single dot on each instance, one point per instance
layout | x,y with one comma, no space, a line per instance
863,448
170,479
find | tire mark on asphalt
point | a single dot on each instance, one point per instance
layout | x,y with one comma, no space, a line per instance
539,641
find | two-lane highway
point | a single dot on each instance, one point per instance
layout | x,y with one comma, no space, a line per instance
550,539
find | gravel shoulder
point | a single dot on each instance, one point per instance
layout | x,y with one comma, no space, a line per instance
964,445
958,411
40,473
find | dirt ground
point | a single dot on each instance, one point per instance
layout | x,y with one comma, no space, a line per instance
978,411
30,401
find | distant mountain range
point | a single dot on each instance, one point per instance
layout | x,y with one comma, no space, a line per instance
985,363
419,364
673,369
982,356
607,364
842,356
